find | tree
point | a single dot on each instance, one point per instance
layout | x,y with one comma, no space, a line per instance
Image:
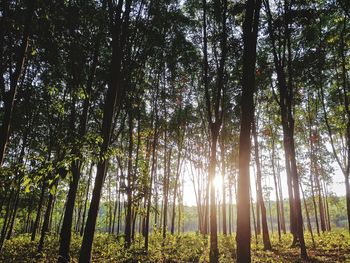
250,33
120,23
20,57
215,107
76,166
282,57
260,198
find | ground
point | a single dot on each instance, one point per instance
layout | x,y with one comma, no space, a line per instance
189,247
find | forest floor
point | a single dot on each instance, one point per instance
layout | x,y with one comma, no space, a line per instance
189,247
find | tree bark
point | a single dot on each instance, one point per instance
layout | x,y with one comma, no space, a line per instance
283,67
250,33
129,188
86,198
114,94
223,172
153,168
260,198
38,213
214,250
45,226
11,98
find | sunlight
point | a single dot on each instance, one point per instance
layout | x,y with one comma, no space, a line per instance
218,183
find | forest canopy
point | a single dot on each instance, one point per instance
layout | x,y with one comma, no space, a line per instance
174,131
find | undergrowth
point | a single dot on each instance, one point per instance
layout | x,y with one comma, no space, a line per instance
189,247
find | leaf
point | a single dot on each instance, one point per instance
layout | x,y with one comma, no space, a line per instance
27,189
53,190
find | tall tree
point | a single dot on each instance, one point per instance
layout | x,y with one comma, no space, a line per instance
20,57
282,56
119,20
260,198
215,107
250,34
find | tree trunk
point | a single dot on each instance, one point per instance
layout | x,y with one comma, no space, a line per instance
326,206
65,234
253,216
86,198
38,213
283,222
114,94
10,100
260,198
223,171
176,190
320,202
117,191
129,188
230,202
45,226
166,180
250,32
153,168
286,110
76,166
214,250
308,217
276,193
6,219
13,219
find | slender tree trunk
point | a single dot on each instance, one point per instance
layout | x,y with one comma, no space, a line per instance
45,226
76,166
326,206
6,219
114,94
320,202
65,234
119,217
166,188
13,219
38,213
3,200
284,103
29,212
176,190
270,212
313,162
276,193
314,204
285,86
129,188
215,107
308,217
230,203
214,250
223,171
117,191
283,222
260,199
250,33
253,215
134,217
153,170
86,198
17,74
257,209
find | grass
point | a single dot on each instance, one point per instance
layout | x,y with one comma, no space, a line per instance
189,247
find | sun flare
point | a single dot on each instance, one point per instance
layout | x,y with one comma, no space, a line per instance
218,183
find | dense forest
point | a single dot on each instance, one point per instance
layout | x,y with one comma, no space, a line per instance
174,131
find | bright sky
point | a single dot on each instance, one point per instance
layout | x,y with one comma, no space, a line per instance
337,187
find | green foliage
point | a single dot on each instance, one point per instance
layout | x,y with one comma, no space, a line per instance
190,247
